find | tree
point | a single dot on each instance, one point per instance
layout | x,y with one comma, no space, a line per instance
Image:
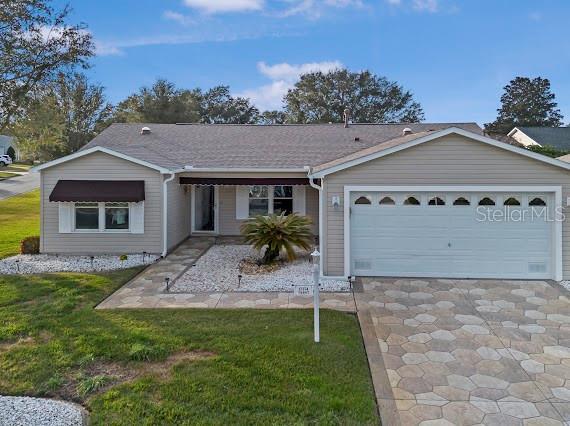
164,103
526,102
36,44
322,97
161,103
219,107
273,117
61,118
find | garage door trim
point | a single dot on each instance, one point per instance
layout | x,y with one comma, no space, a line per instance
553,189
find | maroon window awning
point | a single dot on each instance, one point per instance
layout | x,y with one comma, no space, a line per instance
243,181
98,190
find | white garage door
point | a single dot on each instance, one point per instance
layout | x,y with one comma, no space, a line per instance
470,235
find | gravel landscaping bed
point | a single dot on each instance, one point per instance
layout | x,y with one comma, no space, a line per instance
218,270
25,411
40,263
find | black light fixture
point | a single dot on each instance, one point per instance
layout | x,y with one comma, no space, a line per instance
167,281
239,280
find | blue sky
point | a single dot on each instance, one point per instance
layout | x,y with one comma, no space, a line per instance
455,56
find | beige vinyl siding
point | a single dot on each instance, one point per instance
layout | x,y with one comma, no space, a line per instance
101,166
228,223
450,160
178,213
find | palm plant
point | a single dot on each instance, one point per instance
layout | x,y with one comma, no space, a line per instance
278,233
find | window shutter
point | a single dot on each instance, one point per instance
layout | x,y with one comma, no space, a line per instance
299,199
242,202
65,217
137,218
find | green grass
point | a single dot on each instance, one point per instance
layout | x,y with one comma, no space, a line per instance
262,366
16,167
6,175
19,218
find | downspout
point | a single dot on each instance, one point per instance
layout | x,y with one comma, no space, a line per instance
165,213
321,226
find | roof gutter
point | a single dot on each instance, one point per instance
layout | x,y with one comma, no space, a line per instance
239,170
165,213
321,208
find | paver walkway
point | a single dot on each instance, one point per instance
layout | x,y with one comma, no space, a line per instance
148,290
465,352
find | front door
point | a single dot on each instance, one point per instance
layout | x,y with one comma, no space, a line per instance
204,213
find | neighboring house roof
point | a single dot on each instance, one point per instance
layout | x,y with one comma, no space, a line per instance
557,137
409,141
6,141
175,146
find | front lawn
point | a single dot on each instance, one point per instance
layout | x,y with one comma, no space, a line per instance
19,218
178,366
6,175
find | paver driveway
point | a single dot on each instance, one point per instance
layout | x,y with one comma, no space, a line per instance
467,352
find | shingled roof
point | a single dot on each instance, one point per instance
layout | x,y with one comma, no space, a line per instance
557,137
252,146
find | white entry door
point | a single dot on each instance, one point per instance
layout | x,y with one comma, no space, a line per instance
463,235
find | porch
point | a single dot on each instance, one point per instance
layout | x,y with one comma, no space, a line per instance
218,205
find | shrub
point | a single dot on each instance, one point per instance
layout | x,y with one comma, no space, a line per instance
144,352
92,384
278,233
30,245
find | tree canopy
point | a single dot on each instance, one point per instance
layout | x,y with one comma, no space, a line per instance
61,117
526,102
322,97
36,44
164,103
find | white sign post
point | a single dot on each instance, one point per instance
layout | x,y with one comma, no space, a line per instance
316,275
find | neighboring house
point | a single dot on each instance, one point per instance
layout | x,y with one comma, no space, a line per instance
557,137
7,147
385,199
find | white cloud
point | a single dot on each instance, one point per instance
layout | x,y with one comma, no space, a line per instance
291,73
283,76
315,8
177,17
426,5
221,6
101,48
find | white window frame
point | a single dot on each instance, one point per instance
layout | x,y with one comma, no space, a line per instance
270,198
102,229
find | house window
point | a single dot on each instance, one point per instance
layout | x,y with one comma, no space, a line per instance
87,216
103,217
411,201
116,216
537,202
363,200
486,201
388,201
283,199
512,201
461,201
436,201
264,200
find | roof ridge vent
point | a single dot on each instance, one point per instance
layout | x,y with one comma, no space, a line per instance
145,131
407,131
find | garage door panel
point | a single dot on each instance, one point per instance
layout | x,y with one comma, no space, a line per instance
448,241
